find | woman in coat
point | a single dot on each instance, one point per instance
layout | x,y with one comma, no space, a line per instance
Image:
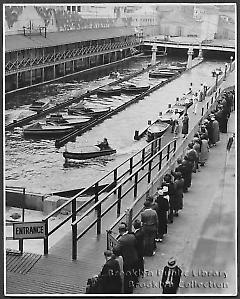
167,182
162,208
178,187
204,151
185,124
215,127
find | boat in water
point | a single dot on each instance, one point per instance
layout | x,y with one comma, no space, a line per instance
156,130
38,129
88,152
162,73
109,91
60,119
39,106
130,88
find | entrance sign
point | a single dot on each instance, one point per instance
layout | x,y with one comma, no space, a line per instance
111,241
29,230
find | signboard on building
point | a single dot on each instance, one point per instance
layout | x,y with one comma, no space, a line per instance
111,241
29,230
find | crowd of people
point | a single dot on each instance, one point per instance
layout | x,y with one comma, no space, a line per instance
125,262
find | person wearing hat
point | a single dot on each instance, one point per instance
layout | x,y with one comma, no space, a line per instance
169,187
185,125
178,187
127,248
171,277
162,209
140,246
204,151
109,278
149,219
215,128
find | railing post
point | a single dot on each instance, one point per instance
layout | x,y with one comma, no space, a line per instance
211,100
96,192
175,144
74,241
119,201
160,161
129,220
99,212
202,111
152,145
115,178
131,166
45,242
207,105
143,156
135,185
149,171
159,143
168,152
74,207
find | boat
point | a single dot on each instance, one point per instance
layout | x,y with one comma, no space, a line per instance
164,73
156,130
39,106
91,112
132,88
45,130
109,91
67,119
88,152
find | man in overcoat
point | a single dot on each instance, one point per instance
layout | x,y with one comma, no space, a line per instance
171,277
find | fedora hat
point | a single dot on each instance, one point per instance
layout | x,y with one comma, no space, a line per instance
172,262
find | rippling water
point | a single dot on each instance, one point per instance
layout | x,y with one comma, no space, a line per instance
39,166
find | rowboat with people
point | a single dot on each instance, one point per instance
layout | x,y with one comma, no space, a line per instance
88,152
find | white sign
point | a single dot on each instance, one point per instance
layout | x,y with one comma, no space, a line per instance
28,230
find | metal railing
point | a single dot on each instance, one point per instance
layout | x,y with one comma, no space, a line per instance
135,209
22,191
128,187
106,183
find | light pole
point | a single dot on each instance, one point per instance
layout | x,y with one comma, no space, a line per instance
231,60
225,71
217,74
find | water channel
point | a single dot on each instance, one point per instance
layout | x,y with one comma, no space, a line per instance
39,166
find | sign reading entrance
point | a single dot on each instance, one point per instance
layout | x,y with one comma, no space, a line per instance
29,230
111,241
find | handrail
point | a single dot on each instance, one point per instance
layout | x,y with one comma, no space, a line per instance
121,183
105,176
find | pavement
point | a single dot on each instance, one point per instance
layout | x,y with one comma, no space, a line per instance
202,237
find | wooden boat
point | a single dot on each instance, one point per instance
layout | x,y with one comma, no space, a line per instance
129,88
96,112
109,91
156,130
39,106
45,130
88,152
68,120
164,73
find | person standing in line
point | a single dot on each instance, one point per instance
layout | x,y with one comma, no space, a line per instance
139,235
162,209
119,259
185,125
109,278
192,155
149,221
167,182
205,87
197,147
178,187
127,248
204,151
215,127
171,277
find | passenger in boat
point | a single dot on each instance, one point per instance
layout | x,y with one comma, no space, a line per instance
104,144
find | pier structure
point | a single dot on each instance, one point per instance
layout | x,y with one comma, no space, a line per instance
37,59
